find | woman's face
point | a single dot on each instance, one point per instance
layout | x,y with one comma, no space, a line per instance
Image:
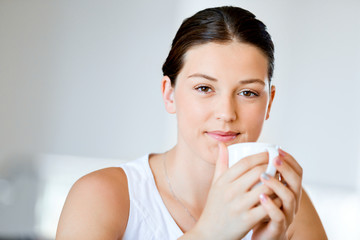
221,95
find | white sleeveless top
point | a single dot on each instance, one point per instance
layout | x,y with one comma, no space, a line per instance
148,215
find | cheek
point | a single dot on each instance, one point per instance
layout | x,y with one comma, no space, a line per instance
191,108
190,121
254,116
189,113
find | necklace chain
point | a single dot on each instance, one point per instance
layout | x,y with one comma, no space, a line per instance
172,191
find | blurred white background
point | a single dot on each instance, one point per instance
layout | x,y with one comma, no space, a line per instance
80,90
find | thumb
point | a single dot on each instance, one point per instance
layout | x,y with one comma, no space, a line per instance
222,163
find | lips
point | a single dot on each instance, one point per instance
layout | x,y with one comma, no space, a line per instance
223,136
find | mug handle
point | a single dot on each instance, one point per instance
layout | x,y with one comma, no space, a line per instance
273,153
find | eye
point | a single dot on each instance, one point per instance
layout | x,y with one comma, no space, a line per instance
203,89
248,93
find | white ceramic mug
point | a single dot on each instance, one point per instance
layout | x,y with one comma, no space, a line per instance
241,150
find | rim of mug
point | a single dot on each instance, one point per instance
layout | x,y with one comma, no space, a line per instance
264,144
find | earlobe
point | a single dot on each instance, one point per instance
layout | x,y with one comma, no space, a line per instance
272,96
168,95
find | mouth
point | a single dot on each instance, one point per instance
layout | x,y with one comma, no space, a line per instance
222,136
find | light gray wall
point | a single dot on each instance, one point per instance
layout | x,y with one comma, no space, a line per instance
83,78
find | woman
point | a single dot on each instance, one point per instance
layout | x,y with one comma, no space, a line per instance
217,79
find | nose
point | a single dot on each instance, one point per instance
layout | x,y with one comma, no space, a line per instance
226,109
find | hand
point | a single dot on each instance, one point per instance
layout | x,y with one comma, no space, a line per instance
232,208
289,194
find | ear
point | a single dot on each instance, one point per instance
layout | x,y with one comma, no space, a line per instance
272,96
168,95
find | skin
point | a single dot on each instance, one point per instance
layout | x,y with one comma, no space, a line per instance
222,89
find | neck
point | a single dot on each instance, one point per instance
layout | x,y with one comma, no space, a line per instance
190,177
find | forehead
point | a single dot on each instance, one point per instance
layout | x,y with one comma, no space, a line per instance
233,60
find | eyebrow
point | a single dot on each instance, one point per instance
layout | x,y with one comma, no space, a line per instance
245,81
203,76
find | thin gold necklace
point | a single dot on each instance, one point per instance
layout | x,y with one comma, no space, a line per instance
173,193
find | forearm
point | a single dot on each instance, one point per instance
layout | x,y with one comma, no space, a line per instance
307,223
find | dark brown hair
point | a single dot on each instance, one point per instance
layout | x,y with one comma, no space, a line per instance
221,24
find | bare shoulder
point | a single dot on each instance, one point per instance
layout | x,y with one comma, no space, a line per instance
97,207
307,223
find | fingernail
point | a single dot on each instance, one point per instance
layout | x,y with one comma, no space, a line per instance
265,176
282,152
278,161
263,198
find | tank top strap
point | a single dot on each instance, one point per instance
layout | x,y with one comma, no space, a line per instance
148,215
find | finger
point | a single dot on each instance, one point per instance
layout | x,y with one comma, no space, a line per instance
288,198
259,213
278,204
293,180
251,199
256,214
291,161
273,211
249,179
246,164
222,163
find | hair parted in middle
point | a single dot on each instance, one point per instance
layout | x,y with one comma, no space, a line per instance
220,25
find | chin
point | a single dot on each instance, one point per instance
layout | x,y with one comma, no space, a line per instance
210,154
